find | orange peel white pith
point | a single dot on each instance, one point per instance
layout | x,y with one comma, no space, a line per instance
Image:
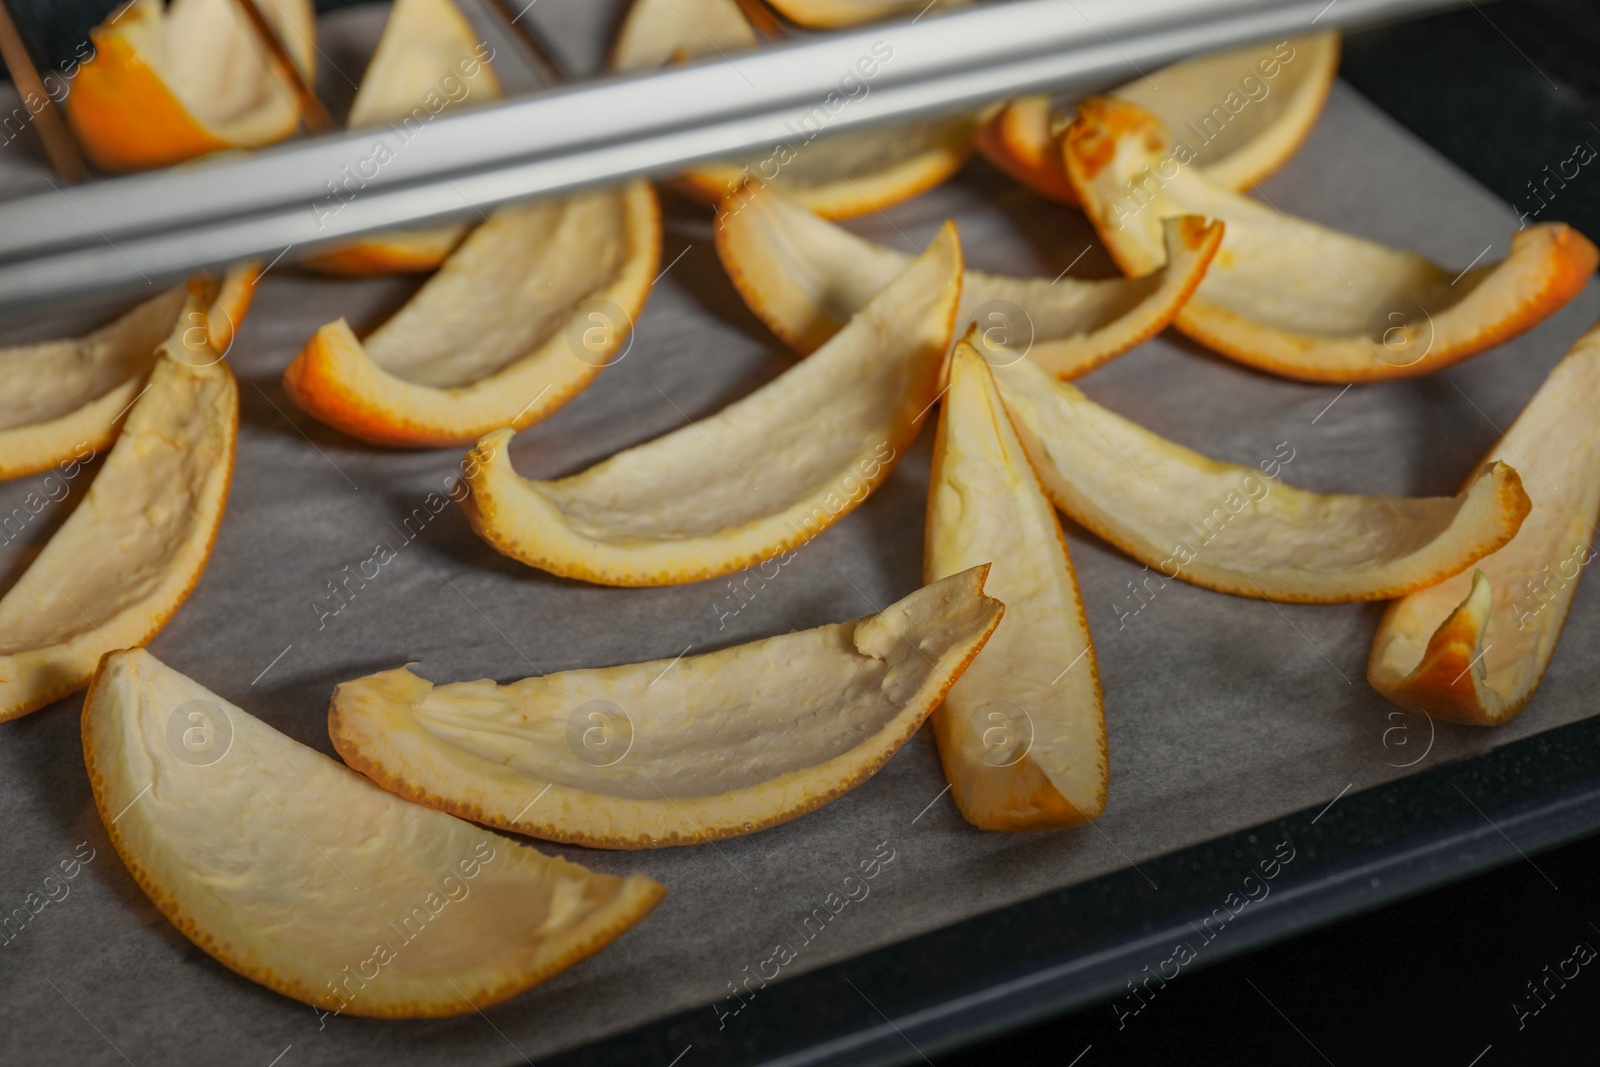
1299,299
1263,100
126,558
647,755
518,321
767,473
168,82
1239,529
1473,649
1022,734
298,873
805,277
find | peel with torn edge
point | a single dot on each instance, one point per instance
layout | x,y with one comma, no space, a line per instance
300,874
1022,734
1235,530
1473,650
127,557
428,55
648,755
836,175
1298,299
805,277
171,82
518,321
62,401
1246,136
767,473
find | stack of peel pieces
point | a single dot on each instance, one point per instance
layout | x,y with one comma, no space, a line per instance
127,557
1250,108
765,474
1296,298
519,320
1473,649
648,755
169,82
1236,530
806,277
1022,733
300,874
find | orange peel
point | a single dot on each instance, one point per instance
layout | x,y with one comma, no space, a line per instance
649,755
837,14
1473,649
64,400
452,364
1240,530
299,874
169,82
1022,734
767,473
805,277
1299,299
428,54
1249,136
655,33
127,557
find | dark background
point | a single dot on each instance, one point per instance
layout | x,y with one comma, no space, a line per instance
1500,89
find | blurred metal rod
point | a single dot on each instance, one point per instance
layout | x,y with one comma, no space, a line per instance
131,233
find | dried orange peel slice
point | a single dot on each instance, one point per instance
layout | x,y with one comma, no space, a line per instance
1251,106
805,277
127,557
1237,529
171,82
455,363
1473,650
836,175
837,14
63,401
1022,734
648,755
1298,299
300,874
427,62
767,473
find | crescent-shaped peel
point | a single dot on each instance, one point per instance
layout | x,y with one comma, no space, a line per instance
299,874
428,62
1236,529
1473,649
806,277
648,755
64,400
127,557
169,82
1253,105
1022,734
1296,298
518,321
767,473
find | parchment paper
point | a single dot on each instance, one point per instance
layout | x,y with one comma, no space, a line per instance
1222,712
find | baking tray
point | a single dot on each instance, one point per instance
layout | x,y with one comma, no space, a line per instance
1233,723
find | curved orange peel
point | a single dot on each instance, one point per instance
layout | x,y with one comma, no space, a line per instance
837,14
64,400
649,755
805,277
1236,529
1473,650
1299,299
168,83
299,874
1022,734
1252,122
125,560
518,321
767,473
428,54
